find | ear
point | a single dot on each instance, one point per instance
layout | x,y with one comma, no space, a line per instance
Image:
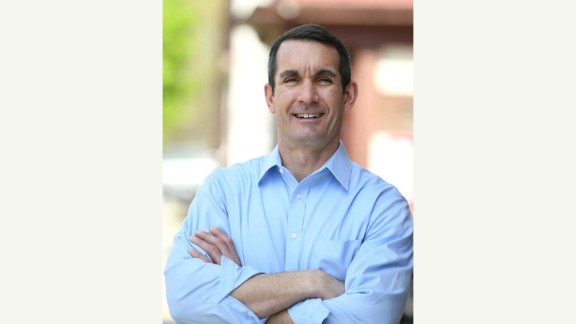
269,98
350,96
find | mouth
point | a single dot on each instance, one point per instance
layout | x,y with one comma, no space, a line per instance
308,116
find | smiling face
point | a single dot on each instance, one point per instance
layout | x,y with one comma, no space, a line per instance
308,101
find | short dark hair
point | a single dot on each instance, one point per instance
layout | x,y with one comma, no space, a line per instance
317,33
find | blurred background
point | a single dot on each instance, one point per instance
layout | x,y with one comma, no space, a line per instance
215,56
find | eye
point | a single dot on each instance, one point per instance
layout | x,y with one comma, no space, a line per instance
325,81
290,80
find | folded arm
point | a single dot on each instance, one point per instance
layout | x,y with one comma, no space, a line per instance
377,280
267,294
208,284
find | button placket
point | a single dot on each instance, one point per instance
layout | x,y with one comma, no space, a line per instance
293,232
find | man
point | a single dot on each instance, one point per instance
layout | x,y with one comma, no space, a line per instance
303,234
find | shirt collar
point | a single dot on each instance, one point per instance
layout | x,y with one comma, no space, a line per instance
339,164
270,161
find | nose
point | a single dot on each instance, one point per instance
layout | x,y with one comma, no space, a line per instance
308,93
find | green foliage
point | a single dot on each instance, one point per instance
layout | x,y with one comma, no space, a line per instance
194,36
179,19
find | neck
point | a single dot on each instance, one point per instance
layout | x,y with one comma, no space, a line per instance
303,160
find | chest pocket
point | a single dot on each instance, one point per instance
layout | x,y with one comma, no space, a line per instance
334,256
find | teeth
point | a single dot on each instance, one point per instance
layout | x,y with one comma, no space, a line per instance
307,115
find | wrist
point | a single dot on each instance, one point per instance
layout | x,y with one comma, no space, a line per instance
313,283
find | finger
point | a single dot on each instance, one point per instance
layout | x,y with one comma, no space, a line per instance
232,255
214,240
222,235
212,251
197,255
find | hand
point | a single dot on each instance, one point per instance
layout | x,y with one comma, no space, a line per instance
328,287
280,318
216,244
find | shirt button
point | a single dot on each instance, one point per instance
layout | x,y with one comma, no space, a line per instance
280,170
293,236
298,196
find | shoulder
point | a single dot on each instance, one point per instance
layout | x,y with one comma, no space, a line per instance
236,175
388,207
367,182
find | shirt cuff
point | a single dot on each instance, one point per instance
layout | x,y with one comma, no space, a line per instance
310,311
242,313
231,276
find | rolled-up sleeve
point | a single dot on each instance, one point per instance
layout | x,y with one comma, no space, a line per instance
198,292
378,280
308,311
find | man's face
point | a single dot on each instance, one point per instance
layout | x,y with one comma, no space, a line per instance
308,100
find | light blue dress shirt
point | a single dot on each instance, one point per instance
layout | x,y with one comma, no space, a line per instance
341,219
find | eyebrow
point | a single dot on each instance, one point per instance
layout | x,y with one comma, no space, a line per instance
321,72
325,72
288,73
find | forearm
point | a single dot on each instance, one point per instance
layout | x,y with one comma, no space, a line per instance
268,294
360,305
204,299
